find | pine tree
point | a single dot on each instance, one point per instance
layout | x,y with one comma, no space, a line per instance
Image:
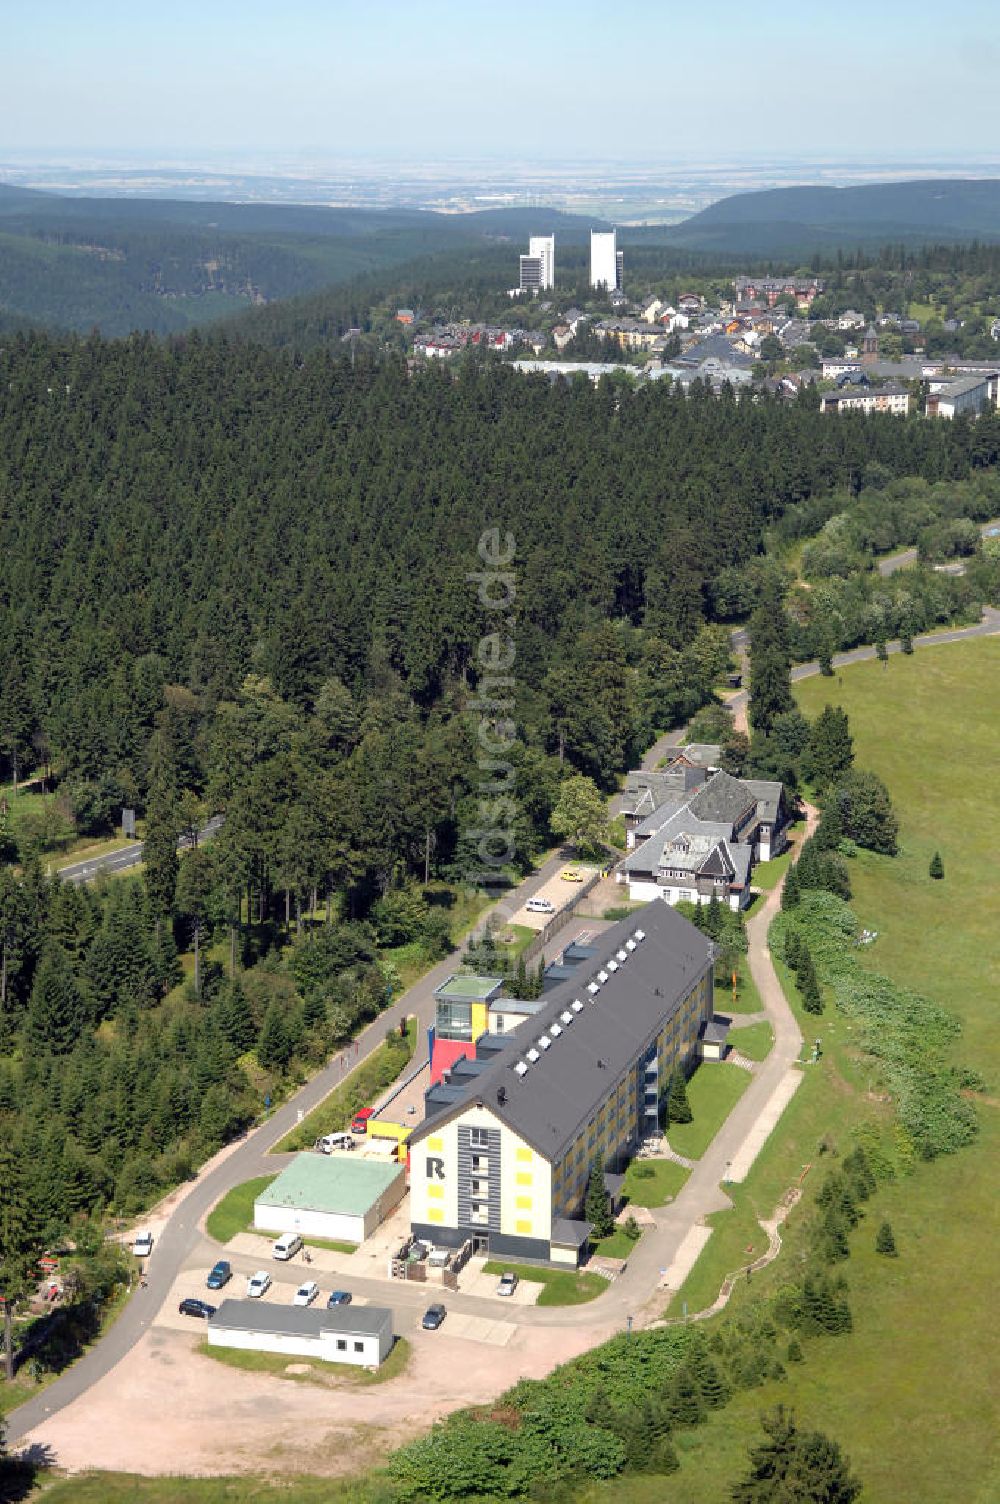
678,1106
936,868
57,1013
791,892
794,1352
793,947
160,863
597,1209
808,982
885,1242
683,1399
713,918
793,1464
274,1049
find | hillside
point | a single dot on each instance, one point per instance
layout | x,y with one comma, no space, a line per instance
791,221
165,265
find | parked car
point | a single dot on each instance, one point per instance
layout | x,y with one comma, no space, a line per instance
220,1274
258,1283
359,1122
193,1307
287,1246
508,1283
339,1298
142,1247
540,906
438,1257
433,1317
331,1141
306,1294
570,875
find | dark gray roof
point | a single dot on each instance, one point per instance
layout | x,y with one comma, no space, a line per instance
715,1030
549,1102
300,1321
570,1234
769,797
723,798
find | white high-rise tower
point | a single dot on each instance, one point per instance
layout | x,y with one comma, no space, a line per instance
538,267
605,260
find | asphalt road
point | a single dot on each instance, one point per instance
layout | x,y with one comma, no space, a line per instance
124,857
908,556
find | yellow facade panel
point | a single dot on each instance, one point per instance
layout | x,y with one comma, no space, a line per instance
522,1225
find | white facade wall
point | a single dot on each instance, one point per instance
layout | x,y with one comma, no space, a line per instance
603,259
310,1224
374,1348
544,247
525,1179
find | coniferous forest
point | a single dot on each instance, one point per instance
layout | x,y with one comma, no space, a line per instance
237,582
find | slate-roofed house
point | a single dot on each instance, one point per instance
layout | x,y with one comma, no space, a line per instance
700,843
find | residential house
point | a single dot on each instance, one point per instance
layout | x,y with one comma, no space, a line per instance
561,336
698,844
872,399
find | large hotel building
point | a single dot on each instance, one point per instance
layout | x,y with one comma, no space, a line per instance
513,1127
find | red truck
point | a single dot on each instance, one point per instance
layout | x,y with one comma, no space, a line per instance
359,1122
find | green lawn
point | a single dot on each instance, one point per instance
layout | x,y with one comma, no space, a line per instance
747,999
368,1082
126,1488
522,938
660,1185
234,1213
316,1371
713,1092
617,1245
755,1041
909,1393
563,1287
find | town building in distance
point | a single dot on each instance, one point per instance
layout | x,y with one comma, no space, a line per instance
538,267
606,260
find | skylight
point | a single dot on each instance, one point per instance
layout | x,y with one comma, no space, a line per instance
543,1041
593,988
533,1055
566,1016
622,955
630,944
612,965
576,1005
602,977
556,1029
640,934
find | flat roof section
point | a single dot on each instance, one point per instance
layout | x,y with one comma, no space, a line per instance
469,989
309,1321
331,1183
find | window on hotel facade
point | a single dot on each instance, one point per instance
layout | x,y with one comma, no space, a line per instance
479,1138
479,1215
454,1020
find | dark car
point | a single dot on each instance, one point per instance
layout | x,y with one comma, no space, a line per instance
433,1317
192,1307
339,1298
220,1275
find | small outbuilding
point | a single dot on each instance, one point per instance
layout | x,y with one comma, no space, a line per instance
361,1335
713,1038
343,1197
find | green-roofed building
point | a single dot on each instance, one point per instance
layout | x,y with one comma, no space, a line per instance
340,1196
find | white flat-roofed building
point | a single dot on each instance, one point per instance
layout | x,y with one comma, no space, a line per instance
538,267
360,1335
605,262
869,399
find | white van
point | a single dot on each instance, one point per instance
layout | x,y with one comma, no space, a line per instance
331,1141
438,1257
540,906
287,1246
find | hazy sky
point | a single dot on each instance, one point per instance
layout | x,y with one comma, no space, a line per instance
558,78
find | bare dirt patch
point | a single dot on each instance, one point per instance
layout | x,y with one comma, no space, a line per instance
148,1415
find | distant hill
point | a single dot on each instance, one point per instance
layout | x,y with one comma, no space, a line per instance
166,265
794,221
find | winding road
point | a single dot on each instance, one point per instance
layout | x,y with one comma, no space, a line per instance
182,1243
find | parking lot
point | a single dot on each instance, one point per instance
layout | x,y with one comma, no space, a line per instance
558,891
